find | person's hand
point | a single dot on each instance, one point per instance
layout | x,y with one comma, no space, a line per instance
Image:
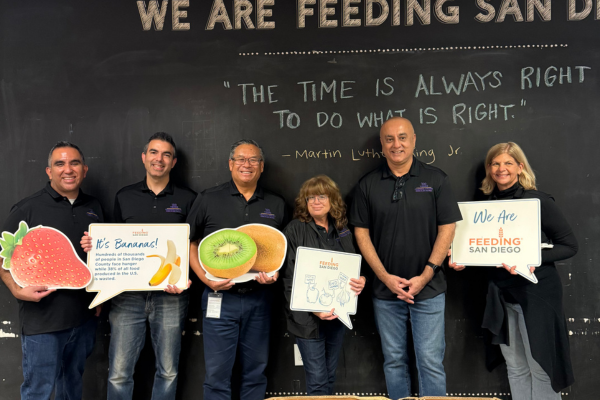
33,293
265,279
98,310
326,316
415,285
220,285
513,269
454,266
172,289
510,269
357,285
397,285
86,242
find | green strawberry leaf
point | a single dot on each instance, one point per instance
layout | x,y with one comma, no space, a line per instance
8,240
8,246
20,234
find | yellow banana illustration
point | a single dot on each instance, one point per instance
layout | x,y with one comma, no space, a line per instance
160,275
169,265
175,261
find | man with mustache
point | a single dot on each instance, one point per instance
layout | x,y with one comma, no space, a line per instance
58,330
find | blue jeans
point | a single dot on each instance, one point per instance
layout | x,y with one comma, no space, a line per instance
54,362
427,321
320,357
528,381
245,324
129,312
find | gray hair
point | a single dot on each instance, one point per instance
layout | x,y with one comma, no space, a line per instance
246,141
64,143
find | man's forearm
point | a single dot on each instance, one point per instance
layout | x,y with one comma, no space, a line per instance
442,243
369,253
8,280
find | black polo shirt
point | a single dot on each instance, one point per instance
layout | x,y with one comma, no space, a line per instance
224,206
65,308
403,232
137,204
330,237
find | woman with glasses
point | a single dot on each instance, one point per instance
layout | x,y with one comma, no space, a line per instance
319,222
524,318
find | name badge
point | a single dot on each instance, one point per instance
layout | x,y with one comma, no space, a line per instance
213,308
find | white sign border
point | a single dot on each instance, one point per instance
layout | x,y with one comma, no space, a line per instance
530,276
185,271
325,309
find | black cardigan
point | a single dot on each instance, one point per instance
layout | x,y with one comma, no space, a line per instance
305,324
541,302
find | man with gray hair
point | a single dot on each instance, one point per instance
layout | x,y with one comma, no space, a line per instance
58,331
245,310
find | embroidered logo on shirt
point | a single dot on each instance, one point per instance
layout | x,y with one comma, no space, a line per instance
173,209
345,232
92,214
423,188
267,214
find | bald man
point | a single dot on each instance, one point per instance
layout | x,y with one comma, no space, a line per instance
404,213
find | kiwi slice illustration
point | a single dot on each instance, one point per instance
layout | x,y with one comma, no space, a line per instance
271,246
228,253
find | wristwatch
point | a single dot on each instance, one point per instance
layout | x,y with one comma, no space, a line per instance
436,268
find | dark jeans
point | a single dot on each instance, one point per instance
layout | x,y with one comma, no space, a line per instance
54,362
165,314
244,325
320,357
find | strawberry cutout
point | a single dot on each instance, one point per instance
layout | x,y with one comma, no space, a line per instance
43,256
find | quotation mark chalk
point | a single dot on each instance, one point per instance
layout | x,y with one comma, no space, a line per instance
226,84
523,102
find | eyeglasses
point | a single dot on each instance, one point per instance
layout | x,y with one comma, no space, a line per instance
398,189
242,160
322,198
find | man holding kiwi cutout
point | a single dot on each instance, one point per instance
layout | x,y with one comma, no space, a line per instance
242,318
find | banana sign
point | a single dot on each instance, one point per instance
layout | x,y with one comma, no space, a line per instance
128,257
321,282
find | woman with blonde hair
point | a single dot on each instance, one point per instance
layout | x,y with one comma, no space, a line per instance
319,222
525,319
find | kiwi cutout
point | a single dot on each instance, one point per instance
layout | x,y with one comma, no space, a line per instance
271,245
227,253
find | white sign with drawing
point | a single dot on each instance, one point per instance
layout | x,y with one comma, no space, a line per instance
496,232
321,282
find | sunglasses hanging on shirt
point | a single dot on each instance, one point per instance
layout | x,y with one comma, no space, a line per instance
398,189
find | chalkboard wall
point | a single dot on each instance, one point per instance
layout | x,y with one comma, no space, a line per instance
314,96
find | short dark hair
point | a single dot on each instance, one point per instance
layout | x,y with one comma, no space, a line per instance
165,137
246,141
64,143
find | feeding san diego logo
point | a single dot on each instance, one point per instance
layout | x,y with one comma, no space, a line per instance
328,264
501,244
